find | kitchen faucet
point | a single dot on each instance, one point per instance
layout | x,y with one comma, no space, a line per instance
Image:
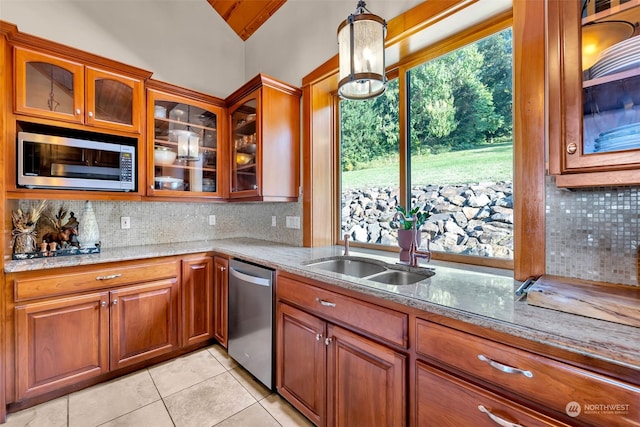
414,252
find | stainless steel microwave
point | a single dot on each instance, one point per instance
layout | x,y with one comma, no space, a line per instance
57,162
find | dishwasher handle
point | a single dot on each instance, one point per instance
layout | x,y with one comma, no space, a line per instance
249,279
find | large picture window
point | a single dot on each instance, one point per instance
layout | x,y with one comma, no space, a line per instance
458,153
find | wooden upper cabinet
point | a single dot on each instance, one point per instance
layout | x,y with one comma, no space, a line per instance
114,101
185,149
56,88
264,122
594,124
48,86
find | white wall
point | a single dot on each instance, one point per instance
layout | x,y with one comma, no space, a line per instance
184,42
302,35
187,43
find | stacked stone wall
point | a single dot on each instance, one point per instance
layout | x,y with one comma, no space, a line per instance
474,219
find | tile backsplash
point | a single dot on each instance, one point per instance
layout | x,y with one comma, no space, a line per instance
593,233
165,222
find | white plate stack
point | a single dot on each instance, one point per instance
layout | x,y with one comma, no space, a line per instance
625,137
619,57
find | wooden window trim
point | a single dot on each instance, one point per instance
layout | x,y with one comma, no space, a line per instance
320,183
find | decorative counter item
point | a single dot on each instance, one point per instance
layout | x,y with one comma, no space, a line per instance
24,229
88,231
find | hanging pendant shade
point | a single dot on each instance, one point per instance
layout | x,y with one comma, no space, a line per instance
361,52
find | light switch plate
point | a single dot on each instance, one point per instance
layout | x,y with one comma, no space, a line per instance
273,221
212,220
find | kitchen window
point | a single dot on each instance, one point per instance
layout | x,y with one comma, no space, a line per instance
454,160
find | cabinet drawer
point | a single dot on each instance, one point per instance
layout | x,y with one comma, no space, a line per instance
384,323
444,400
602,400
64,282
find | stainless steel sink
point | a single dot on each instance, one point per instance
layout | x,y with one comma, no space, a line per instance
401,277
374,270
350,266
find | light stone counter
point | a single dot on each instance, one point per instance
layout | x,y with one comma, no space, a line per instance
476,295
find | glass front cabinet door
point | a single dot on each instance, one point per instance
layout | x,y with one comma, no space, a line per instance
594,87
60,89
49,87
245,147
184,155
264,132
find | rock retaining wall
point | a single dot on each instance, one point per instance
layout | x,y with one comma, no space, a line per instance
475,219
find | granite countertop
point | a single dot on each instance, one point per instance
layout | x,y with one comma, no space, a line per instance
476,295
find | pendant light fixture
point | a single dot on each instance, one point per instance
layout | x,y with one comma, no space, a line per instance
361,51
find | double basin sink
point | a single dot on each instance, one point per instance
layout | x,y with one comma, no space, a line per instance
371,269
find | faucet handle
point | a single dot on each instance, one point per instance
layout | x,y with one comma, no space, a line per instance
346,244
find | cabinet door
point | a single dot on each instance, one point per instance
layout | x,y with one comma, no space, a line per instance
246,147
61,342
593,117
197,300
221,300
301,361
366,382
47,86
143,321
185,153
113,101
443,400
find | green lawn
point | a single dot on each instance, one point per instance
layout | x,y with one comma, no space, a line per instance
491,163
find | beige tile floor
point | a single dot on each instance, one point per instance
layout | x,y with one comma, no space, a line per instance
204,388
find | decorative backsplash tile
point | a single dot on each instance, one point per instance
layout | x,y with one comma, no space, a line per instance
593,233
164,222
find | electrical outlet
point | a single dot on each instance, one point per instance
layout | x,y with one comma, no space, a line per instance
125,222
292,222
212,220
273,221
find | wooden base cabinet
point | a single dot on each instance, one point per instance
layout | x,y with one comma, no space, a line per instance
197,300
221,300
336,377
78,323
61,342
143,322
443,400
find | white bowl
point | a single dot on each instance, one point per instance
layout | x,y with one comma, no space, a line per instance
164,156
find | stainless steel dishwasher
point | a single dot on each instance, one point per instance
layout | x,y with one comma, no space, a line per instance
251,319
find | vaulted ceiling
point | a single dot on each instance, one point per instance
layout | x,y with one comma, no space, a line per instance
246,16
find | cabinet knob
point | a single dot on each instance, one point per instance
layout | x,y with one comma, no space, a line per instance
90,113
103,304
572,147
318,337
327,340
255,187
114,302
78,111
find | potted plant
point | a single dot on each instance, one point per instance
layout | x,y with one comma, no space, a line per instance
407,232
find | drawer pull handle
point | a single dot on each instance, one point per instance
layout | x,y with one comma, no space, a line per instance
326,303
504,368
496,419
112,276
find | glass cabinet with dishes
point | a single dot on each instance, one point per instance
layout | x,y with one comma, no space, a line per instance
264,122
594,92
183,144
62,89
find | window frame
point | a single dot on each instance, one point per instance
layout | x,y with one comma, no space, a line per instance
320,182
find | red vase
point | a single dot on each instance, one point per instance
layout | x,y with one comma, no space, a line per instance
404,241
